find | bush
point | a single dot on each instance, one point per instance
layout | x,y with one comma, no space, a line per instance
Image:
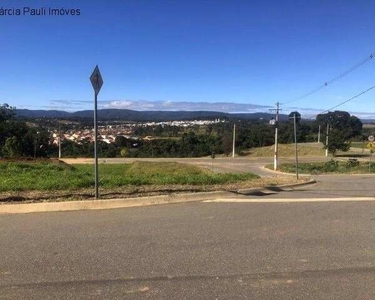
331,166
352,163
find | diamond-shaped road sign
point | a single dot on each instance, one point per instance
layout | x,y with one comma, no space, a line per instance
96,80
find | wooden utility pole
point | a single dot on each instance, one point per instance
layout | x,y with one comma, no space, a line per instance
59,141
234,140
276,154
295,142
319,135
327,139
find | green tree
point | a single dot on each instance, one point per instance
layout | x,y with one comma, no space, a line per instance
227,143
342,127
120,141
124,152
7,112
337,142
12,147
287,129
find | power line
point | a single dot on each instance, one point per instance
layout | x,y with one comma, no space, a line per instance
346,101
325,84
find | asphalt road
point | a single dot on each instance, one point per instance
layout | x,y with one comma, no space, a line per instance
192,251
327,186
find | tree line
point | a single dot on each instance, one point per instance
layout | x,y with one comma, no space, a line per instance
20,139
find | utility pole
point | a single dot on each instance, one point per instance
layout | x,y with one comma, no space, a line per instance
234,140
295,142
35,142
59,141
327,139
276,155
369,162
319,135
34,149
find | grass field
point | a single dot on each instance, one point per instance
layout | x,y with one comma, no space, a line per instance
305,149
340,167
288,150
45,175
358,145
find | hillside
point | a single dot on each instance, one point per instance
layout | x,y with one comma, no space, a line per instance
142,116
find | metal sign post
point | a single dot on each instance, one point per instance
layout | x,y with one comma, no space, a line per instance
371,146
97,82
295,140
369,163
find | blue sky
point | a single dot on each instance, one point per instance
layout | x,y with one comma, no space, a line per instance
242,55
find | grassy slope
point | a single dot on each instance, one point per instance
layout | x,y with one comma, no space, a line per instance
22,176
287,150
305,149
328,167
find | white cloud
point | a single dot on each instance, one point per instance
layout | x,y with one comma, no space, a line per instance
185,105
168,105
118,104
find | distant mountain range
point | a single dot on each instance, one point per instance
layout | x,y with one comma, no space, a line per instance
144,116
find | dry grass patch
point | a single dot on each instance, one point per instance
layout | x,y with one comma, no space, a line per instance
139,191
288,150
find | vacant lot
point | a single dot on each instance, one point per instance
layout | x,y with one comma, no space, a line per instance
287,150
350,167
20,176
307,149
46,180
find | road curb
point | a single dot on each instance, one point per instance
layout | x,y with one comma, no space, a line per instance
109,204
272,189
283,173
24,208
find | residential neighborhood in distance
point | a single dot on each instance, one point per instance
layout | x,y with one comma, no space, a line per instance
108,133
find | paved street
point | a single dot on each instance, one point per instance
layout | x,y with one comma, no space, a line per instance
192,251
328,186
